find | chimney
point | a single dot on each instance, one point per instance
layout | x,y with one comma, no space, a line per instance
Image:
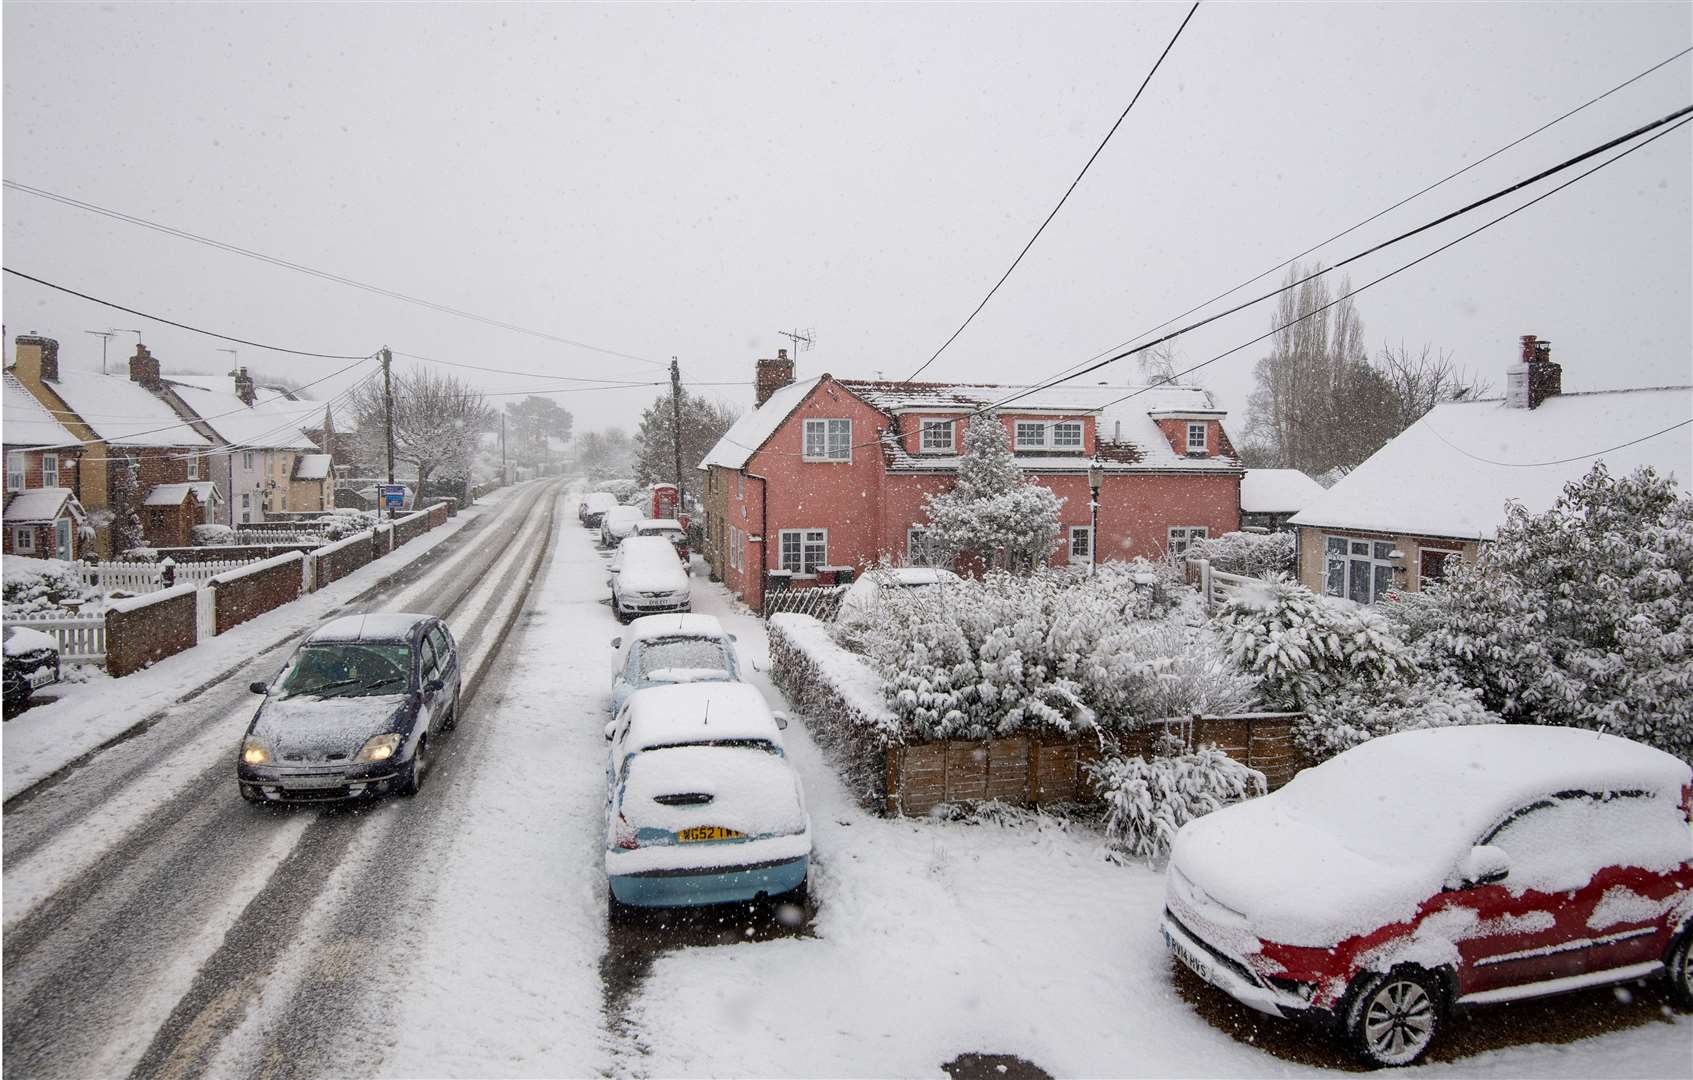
772,376
37,358
244,388
1536,378
144,368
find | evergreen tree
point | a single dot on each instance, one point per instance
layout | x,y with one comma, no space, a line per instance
703,423
992,512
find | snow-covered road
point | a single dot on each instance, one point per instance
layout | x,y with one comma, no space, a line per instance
177,932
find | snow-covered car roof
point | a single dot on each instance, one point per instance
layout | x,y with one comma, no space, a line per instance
630,514
656,524
21,640
649,562
599,501
380,626
697,712
749,790
685,624
1362,839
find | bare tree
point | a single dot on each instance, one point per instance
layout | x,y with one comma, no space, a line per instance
1426,379
437,422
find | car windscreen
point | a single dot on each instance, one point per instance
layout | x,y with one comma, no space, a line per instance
348,669
670,653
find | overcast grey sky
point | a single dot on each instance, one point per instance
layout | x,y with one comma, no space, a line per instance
665,180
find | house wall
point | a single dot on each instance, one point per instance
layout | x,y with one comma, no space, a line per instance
249,480
1312,562
1137,510
307,495
44,540
69,466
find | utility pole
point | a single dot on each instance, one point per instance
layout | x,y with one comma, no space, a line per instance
388,412
504,468
676,426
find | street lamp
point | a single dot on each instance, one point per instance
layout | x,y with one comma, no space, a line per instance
1096,475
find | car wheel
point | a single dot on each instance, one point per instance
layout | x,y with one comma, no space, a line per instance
1678,966
1394,1017
249,794
412,782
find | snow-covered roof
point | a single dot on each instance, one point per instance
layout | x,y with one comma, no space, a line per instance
1277,491
313,466
260,426
174,494
1451,473
697,712
648,627
379,626
27,422
36,505
122,412
753,428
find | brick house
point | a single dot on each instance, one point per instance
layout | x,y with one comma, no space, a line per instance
119,422
261,444
830,473
170,512
1438,491
42,515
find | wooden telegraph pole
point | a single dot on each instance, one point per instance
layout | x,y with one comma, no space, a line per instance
676,426
388,415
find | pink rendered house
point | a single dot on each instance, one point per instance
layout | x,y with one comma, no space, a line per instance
831,473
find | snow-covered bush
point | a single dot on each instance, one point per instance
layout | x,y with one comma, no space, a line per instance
342,522
1259,555
1582,615
1353,715
205,535
993,512
1056,651
1302,647
1146,801
41,586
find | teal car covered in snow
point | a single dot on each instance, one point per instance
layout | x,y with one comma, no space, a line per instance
702,806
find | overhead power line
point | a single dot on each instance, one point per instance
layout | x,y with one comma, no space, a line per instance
509,371
1408,234
446,309
182,325
1423,420
1388,210
1065,198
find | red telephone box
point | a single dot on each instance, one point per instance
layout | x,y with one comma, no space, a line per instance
664,501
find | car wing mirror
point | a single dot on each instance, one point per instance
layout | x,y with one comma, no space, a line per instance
433,685
1486,864
781,720
617,643
258,688
610,730
732,637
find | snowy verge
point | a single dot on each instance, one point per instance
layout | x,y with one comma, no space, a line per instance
44,739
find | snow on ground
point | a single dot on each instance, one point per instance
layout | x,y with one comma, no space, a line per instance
44,739
939,938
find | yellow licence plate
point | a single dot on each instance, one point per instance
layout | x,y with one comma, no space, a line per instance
707,832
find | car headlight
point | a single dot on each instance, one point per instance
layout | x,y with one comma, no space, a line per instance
255,752
380,747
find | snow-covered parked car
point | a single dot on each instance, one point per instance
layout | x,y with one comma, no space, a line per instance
31,662
862,596
647,579
354,712
668,528
701,804
594,506
1440,869
661,650
617,524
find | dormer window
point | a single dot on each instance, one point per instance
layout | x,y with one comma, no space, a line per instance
1198,441
1030,435
1067,435
1060,435
937,437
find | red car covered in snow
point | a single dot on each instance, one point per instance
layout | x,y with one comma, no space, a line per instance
1441,869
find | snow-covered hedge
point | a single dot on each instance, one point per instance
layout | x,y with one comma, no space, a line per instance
205,535
1354,715
342,522
840,697
1582,615
41,586
1146,801
1053,652
1259,555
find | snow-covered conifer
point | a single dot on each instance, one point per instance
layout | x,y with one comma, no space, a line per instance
992,511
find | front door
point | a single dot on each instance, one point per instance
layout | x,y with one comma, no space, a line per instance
62,540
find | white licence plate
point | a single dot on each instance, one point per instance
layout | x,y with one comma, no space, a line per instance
1196,964
42,676
312,781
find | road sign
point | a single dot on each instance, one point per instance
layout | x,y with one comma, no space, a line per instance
393,496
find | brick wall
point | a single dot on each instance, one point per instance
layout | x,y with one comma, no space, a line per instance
232,552
149,628
332,562
251,591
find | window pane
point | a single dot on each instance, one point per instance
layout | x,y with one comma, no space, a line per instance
1434,565
1336,545
1383,551
1334,581
1359,547
1358,581
1067,435
814,444
1384,580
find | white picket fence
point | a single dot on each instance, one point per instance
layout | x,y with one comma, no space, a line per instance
82,638
138,578
1216,586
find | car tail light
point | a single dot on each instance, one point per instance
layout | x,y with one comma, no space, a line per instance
1687,801
624,834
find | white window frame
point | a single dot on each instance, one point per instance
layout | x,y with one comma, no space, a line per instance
926,445
833,439
917,551
805,540
17,470
1350,562
1203,430
1184,535
1081,435
49,470
247,459
193,466
740,485
1020,443
23,539
1080,532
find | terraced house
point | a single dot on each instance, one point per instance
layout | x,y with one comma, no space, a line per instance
827,474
